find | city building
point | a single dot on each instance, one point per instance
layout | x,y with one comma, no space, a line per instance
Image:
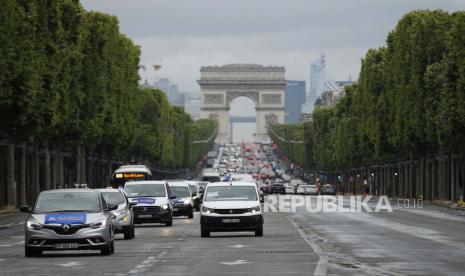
192,104
171,90
294,96
320,82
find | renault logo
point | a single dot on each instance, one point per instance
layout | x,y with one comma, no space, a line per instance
66,227
144,209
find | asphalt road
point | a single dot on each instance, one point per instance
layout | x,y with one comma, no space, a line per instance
427,241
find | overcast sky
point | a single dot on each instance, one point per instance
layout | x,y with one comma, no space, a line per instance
183,35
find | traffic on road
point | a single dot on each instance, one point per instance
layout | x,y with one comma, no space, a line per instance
221,227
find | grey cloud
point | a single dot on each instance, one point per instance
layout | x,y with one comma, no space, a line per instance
186,34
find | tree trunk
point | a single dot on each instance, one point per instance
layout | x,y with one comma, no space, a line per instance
22,180
10,175
59,180
47,182
35,179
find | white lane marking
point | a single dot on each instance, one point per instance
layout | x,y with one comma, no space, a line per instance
238,246
70,264
147,263
322,265
11,224
237,262
12,244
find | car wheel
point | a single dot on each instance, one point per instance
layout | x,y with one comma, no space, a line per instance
107,250
129,234
32,252
191,214
204,233
170,222
259,232
112,247
197,208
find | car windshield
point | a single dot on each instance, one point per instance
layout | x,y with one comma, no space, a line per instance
193,188
68,202
113,198
180,191
152,190
231,193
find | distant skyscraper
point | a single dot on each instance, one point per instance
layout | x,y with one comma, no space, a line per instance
171,90
320,82
294,97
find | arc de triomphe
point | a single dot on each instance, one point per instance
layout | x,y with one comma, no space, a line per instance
220,85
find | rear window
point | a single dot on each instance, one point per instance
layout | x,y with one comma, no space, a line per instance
180,191
113,198
151,190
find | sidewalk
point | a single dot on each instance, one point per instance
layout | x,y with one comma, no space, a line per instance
8,210
450,204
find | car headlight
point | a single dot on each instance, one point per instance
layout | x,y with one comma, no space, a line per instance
120,212
124,219
187,201
254,209
33,225
207,210
98,224
164,207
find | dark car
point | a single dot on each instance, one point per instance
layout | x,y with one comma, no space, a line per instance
277,188
328,189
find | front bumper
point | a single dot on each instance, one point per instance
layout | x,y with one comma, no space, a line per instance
182,209
246,223
160,216
83,239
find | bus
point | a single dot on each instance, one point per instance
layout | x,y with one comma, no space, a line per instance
130,173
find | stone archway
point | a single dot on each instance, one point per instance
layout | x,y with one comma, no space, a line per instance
220,85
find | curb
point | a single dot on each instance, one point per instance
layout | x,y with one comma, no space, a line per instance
8,212
448,205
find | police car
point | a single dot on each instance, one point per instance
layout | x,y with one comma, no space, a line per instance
69,219
152,200
231,206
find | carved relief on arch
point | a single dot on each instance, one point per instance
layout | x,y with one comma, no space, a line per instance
213,117
253,95
271,119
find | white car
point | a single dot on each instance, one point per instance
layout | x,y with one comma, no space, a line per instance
307,189
289,189
231,206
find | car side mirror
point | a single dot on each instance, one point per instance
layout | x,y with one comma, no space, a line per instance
132,204
25,209
172,197
112,207
262,199
194,194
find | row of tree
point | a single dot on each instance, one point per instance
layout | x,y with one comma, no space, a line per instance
408,104
69,77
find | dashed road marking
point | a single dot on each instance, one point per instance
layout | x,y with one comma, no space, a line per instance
146,264
70,264
238,246
237,262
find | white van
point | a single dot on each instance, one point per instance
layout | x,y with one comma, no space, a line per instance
231,206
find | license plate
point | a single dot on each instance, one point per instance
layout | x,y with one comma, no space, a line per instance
231,220
175,209
66,246
144,216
